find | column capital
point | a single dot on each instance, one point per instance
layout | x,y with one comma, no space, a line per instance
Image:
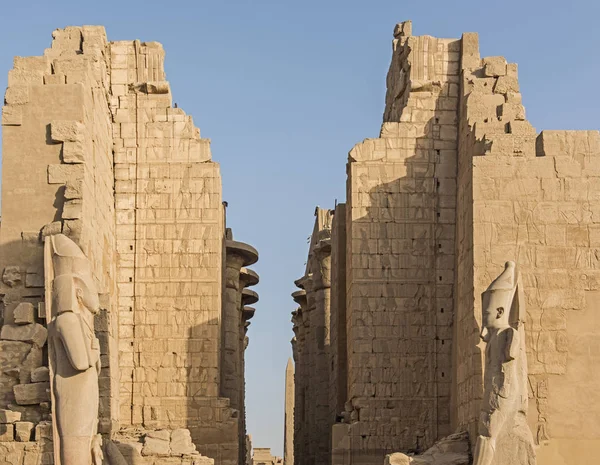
236,250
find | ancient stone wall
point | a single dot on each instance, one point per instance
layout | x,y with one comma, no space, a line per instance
338,351
312,420
458,183
400,259
534,200
93,148
57,176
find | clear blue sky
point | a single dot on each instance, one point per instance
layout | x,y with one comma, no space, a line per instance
284,90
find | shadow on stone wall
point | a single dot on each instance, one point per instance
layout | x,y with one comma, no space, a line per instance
403,259
213,424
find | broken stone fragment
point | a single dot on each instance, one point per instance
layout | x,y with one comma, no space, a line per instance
403,29
181,442
11,276
43,430
52,228
451,450
24,313
33,333
23,431
8,416
155,446
30,394
39,375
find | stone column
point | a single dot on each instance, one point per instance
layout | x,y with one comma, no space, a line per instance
303,424
320,323
238,255
247,278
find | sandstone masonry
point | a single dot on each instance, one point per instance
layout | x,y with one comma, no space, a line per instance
93,148
458,183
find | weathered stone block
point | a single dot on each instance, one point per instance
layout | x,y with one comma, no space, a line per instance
8,416
506,84
30,394
43,431
17,95
7,432
181,442
494,66
12,115
73,152
61,173
156,446
23,430
24,313
33,333
61,131
40,375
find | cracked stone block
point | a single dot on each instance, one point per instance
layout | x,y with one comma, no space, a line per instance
24,313
31,394
33,333
11,276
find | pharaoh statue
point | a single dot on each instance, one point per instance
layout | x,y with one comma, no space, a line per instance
74,352
504,436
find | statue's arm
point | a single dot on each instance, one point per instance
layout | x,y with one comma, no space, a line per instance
69,330
512,344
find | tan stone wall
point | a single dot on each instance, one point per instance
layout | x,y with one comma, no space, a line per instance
338,352
400,263
170,232
150,220
534,201
57,170
312,419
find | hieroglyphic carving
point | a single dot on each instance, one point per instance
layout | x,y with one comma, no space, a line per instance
504,437
74,352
